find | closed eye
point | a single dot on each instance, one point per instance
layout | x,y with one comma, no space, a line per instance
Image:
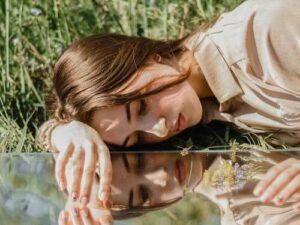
143,106
140,137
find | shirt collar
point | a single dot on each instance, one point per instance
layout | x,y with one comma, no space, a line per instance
215,69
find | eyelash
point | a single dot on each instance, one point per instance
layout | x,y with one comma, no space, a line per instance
145,193
139,137
143,106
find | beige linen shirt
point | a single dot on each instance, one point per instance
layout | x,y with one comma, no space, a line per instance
251,61
241,207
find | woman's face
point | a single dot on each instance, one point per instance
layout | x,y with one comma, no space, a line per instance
153,119
152,179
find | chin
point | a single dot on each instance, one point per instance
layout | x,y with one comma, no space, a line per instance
195,121
197,170
199,113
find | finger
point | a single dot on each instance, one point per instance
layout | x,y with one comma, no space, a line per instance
270,176
89,170
75,217
105,220
77,167
105,171
60,166
279,183
86,216
63,218
288,191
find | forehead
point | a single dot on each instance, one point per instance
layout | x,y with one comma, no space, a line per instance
154,74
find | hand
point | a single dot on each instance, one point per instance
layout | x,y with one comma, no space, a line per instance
93,214
280,183
83,145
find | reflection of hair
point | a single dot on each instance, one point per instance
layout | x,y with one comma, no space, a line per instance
120,212
90,71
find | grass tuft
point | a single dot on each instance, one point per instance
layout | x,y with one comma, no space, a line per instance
34,33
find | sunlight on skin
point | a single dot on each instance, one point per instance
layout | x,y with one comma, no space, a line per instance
112,125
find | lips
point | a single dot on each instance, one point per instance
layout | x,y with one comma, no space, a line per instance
180,170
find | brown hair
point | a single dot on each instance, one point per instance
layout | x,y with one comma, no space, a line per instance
90,71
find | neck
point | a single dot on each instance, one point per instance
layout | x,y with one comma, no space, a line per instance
196,77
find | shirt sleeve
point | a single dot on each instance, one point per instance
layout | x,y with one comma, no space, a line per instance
277,33
276,27
44,131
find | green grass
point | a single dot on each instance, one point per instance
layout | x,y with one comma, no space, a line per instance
34,33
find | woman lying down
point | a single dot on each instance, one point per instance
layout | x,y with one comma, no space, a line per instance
253,188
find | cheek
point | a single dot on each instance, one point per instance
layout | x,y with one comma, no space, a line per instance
168,100
153,139
181,95
168,195
172,190
196,169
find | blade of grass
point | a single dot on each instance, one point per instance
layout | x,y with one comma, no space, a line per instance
6,88
165,19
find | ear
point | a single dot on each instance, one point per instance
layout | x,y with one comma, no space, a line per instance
172,61
157,58
162,59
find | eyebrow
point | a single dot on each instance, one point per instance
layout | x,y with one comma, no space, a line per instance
128,113
128,116
130,200
125,160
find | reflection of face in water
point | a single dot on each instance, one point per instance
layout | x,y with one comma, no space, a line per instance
153,179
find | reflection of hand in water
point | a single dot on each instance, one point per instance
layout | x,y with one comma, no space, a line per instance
82,144
77,213
280,183
93,214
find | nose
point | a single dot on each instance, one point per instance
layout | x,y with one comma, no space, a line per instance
159,128
158,177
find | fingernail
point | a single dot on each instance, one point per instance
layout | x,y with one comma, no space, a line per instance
264,198
278,200
75,213
102,195
85,212
257,191
61,185
84,201
107,204
74,196
108,220
64,216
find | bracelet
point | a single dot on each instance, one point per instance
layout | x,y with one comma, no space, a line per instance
45,133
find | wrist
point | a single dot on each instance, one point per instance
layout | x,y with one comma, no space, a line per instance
45,134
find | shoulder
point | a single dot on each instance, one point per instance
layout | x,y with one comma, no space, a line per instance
261,16
276,12
264,11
